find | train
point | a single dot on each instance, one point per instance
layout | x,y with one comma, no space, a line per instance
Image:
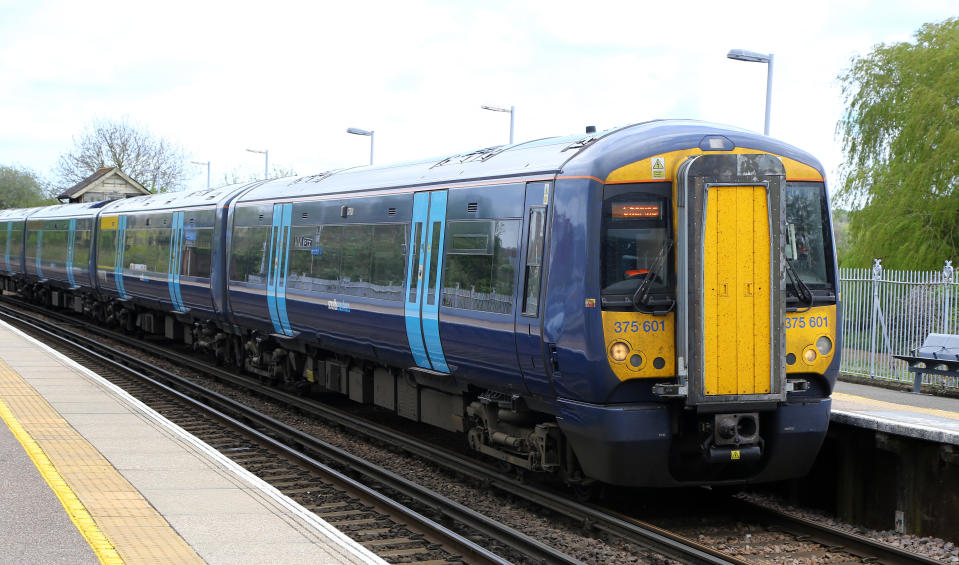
646,306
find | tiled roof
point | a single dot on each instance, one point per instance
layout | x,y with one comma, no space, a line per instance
68,193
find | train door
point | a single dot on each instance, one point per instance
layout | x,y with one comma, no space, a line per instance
71,243
6,246
730,209
38,259
278,267
175,261
121,245
424,279
529,316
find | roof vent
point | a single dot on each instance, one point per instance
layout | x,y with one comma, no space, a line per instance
391,212
472,207
261,217
305,215
590,129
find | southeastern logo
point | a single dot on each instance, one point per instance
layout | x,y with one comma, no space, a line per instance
337,305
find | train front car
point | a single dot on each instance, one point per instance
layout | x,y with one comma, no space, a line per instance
705,346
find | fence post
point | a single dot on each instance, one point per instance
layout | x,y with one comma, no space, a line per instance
947,271
876,277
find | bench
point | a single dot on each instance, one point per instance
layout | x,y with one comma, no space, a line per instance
937,350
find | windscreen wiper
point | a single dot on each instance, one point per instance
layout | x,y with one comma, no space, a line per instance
799,288
642,300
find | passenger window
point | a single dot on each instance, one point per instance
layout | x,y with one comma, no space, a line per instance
326,267
81,249
434,261
414,276
33,236
481,262
357,265
107,250
197,250
54,248
389,261
248,254
304,248
534,260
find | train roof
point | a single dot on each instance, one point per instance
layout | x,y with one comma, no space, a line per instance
17,214
207,197
75,210
594,154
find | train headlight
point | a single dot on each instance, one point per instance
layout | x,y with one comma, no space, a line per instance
809,355
824,345
619,351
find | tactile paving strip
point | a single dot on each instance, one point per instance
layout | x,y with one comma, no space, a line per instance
120,525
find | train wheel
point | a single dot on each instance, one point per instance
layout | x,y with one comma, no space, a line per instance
584,493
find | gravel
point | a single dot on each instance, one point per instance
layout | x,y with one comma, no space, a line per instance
935,548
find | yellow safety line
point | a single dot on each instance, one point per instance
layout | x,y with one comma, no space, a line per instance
102,547
867,403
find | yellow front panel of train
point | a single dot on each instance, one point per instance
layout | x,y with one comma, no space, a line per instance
736,291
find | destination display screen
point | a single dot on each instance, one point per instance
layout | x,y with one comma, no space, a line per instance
637,210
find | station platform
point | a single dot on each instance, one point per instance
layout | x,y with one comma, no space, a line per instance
920,416
88,474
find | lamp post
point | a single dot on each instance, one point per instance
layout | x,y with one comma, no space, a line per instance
266,162
207,170
512,116
358,131
753,57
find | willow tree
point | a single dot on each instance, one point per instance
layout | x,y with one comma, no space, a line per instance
900,136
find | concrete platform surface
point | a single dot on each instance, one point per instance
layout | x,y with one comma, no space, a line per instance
89,473
34,527
921,416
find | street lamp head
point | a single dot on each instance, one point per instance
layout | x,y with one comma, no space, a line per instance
358,131
750,56
495,108
256,151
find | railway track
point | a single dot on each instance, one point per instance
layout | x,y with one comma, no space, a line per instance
384,512
767,537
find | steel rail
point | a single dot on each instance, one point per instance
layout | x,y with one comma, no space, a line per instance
503,534
870,551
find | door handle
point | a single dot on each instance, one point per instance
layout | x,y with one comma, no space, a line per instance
553,358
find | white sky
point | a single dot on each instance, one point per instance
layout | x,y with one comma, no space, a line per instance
290,77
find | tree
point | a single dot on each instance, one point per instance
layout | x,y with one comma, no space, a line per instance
238,176
900,135
22,188
155,162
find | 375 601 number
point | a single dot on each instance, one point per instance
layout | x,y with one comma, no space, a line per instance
636,326
807,322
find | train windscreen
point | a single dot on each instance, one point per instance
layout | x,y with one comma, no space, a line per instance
808,240
636,241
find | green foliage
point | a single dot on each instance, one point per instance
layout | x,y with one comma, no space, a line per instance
22,188
900,135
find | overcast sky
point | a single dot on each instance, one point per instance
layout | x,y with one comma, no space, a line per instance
290,77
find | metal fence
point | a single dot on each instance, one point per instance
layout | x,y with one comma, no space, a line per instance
888,313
